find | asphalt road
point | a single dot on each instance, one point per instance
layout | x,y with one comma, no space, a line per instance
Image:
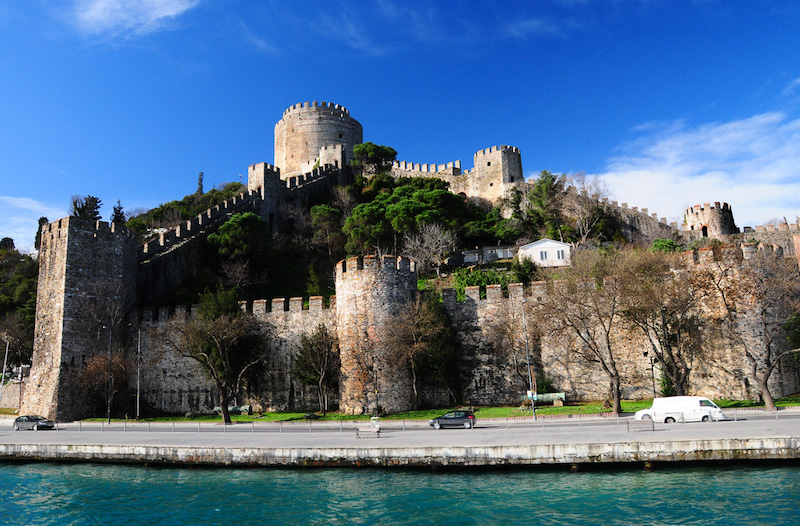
496,432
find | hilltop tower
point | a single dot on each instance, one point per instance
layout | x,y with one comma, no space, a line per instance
497,169
87,279
709,221
306,135
370,294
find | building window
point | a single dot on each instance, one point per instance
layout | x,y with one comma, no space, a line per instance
489,163
542,255
560,254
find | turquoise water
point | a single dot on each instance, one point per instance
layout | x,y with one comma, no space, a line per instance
73,494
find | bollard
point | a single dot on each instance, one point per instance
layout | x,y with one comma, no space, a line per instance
280,428
340,426
79,426
101,426
148,427
224,427
252,427
173,426
404,425
124,425
309,426
198,426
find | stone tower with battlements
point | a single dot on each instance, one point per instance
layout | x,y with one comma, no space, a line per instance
314,134
371,292
87,280
709,221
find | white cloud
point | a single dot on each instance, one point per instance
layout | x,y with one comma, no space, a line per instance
119,17
793,85
753,164
19,219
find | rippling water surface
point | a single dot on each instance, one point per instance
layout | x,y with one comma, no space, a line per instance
41,493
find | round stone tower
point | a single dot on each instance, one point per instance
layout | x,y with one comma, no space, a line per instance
371,293
307,128
709,221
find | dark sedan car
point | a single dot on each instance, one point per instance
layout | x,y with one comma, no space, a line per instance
34,422
463,419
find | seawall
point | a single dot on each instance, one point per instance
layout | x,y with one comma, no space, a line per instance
559,443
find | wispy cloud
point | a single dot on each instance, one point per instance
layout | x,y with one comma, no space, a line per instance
123,17
19,219
752,163
792,87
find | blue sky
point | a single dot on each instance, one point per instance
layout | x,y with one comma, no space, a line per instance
672,103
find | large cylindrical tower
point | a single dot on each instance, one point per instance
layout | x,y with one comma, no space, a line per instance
709,221
371,295
308,127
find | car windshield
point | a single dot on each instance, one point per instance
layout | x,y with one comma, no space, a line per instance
38,418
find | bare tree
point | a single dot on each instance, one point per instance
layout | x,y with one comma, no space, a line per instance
516,337
757,297
583,203
587,304
344,201
662,304
422,340
429,246
318,363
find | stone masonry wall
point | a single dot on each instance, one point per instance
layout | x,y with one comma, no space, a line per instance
371,292
87,272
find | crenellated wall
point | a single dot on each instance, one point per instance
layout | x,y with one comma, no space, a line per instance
495,171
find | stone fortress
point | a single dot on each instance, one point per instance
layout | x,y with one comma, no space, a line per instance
84,264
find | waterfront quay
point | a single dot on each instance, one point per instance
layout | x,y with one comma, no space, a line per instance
565,442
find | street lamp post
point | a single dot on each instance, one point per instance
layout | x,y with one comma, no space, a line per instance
108,373
138,367
3,375
652,371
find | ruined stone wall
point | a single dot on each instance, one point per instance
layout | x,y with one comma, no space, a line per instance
639,226
308,127
709,221
87,278
371,292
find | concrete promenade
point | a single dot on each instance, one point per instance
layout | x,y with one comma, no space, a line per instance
754,435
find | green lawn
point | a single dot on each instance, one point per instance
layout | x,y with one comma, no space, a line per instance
480,412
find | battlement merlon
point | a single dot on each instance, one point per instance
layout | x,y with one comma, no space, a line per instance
375,263
315,104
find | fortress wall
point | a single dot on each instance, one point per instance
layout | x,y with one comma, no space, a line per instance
174,384
490,378
639,226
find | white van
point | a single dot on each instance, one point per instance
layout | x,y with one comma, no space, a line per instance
681,409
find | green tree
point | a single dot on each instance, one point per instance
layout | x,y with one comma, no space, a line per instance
317,363
37,241
7,244
85,207
118,215
546,198
239,235
374,154
665,245
200,183
326,222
